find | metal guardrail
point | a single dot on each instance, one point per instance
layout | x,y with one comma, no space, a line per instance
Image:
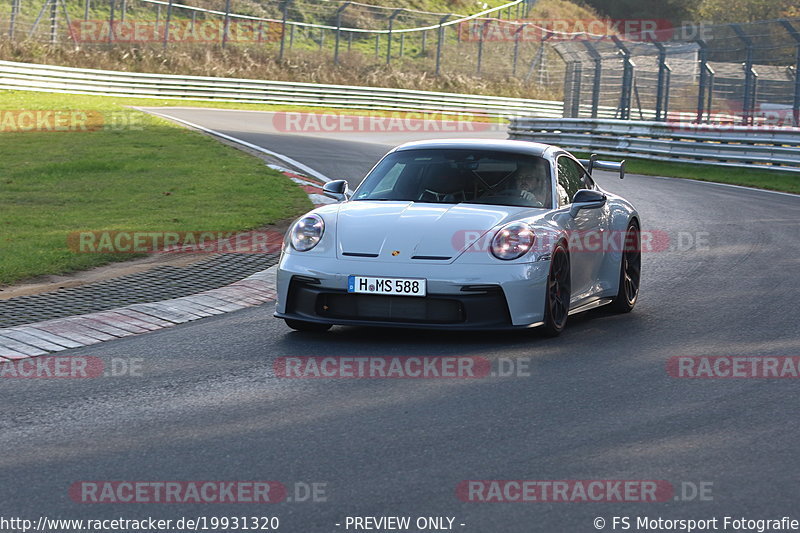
48,78
730,146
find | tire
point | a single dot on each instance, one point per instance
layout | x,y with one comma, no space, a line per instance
301,325
557,296
630,271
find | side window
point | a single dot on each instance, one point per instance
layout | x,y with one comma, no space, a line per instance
570,180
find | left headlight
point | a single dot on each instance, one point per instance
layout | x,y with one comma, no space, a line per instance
306,233
512,241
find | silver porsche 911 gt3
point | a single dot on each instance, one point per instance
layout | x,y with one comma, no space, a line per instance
463,234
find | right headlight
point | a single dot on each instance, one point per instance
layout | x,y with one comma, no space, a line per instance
512,241
306,233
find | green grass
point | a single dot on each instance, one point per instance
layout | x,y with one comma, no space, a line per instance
155,176
774,180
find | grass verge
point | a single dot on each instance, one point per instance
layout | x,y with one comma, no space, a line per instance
126,171
774,180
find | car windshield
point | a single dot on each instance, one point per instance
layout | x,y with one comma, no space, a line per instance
452,176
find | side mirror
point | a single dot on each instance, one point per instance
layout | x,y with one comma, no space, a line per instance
337,190
586,199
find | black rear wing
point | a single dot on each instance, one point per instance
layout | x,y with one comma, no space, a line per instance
612,166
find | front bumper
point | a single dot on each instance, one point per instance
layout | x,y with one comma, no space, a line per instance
314,289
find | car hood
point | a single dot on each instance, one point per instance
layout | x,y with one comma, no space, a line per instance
409,230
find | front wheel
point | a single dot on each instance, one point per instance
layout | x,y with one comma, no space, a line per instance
557,297
630,271
301,325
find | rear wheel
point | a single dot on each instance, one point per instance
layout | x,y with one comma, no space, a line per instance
630,271
556,308
301,325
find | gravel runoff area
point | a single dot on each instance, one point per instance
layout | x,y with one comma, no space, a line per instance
156,284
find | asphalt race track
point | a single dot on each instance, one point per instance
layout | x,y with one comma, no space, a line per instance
598,402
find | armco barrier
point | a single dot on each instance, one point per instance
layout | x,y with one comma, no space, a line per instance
724,145
48,78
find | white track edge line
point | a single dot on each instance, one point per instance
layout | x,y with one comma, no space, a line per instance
286,159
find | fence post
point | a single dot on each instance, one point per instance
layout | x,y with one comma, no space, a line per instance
796,100
321,38
753,95
424,39
123,8
166,24
667,84
338,32
702,54
572,89
480,46
439,42
53,21
14,9
285,9
662,92
624,109
86,6
710,88
517,35
747,110
377,44
111,22
226,25
577,88
598,76
402,43
389,36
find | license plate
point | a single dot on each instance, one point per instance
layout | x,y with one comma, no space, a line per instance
393,286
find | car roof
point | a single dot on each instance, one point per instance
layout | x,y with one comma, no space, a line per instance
503,145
